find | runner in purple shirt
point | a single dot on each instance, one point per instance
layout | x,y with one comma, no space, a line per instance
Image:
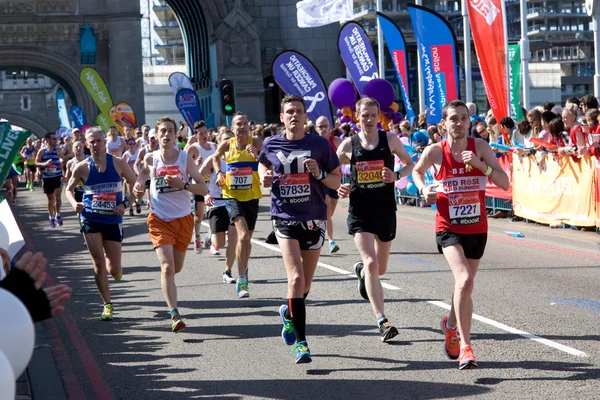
300,168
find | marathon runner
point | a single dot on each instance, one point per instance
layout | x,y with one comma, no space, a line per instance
115,144
49,162
200,150
464,166
130,157
170,222
28,152
241,190
79,156
149,148
324,130
303,167
220,223
372,209
11,183
101,210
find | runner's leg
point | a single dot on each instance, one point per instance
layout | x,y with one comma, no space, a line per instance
96,250
244,244
166,258
365,243
113,258
292,259
331,205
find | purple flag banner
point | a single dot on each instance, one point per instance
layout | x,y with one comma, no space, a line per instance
189,106
295,74
357,53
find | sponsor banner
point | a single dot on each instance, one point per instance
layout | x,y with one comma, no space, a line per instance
295,74
96,87
313,13
78,116
514,61
488,29
104,122
357,53
397,48
492,190
63,115
178,81
436,45
126,115
116,121
11,143
189,106
557,190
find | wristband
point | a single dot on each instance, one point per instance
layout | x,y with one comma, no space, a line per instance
398,175
126,203
421,191
186,186
489,171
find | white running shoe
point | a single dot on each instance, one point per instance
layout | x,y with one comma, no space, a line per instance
214,251
227,278
197,246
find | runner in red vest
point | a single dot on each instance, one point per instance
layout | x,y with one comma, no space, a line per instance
464,165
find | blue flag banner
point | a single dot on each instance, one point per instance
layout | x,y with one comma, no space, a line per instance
63,115
189,106
178,81
77,116
436,44
295,74
397,48
357,53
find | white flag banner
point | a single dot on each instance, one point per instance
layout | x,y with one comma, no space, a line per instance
313,13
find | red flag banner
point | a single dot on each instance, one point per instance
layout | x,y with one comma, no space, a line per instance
487,25
491,190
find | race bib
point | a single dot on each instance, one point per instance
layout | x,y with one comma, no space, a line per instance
51,170
104,203
30,157
369,174
294,187
161,183
115,153
207,179
240,178
464,208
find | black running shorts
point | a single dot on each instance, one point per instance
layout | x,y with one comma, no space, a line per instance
219,220
382,226
51,184
309,234
112,232
332,193
473,245
246,209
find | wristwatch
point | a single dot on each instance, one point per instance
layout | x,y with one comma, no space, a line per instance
186,186
398,175
322,175
126,203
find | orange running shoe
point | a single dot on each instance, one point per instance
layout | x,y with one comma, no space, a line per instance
451,341
467,358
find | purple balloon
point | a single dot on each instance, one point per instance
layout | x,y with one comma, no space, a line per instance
339,113
345,119
342,93
379,126
380,90
397,118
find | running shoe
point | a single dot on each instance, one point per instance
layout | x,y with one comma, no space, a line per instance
59,220
467,358
138,208
287,333
14,202
130,211
31,188
177,324
119,276
206,239
242,289
333,247
302,353
52,223
451,341
214,251
227,278
197,246
387,331
107,313
362,288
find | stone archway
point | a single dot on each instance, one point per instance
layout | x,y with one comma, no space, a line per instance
16,119
55,66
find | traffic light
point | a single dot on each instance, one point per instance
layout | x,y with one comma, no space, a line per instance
227,97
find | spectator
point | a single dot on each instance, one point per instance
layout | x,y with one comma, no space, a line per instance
522,133
346,131
266,132
481,131
507,125
577,138
557,110
535,119
547,116
548,105
587,102
473,118
434,134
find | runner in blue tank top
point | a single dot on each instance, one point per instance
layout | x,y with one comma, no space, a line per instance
301,169
101,211
49,162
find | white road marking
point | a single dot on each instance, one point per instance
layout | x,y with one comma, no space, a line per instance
441,304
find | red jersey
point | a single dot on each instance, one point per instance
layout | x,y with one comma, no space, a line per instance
460,196
332,143
573,134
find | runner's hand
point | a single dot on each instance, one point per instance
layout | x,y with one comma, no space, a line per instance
57,296
120,209
208,200
312,167
199,160
252,150
5,260
139,189
471,158
174,181
388,175
267,179
78,208
221,180
33,265
430,194
344,190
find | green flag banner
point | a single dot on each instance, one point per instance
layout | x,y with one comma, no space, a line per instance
514,62
10,144
103,122
96,87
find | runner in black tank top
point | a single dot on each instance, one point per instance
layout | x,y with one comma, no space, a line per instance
372,211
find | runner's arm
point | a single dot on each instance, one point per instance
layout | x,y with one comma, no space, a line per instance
333,179
124,170
76,176
144,173
344,151
432,155
222,148
398,149
207,166
139,161
199,187
497,176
